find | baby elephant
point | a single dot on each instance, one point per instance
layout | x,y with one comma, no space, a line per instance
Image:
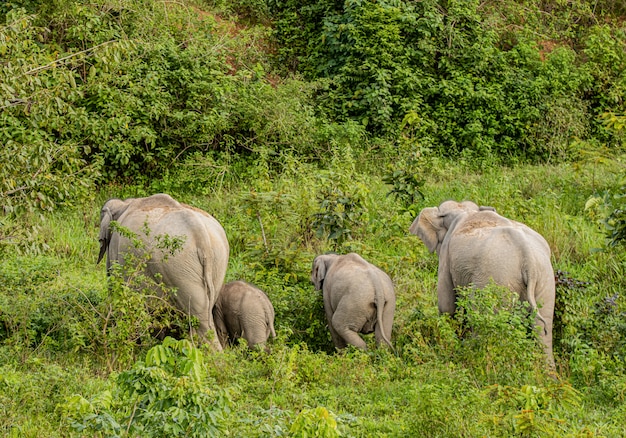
243,311
358,298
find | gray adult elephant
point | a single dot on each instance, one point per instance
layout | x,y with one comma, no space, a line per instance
358,298
476,245
196,270
243,311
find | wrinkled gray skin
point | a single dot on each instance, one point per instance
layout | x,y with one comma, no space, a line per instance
475,245
243,311
197,270
358,298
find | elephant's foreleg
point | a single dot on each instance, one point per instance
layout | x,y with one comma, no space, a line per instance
446,296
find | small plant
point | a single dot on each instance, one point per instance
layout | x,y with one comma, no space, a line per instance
405,175
531,410
264,250
568,289
609,210
406,186
615,222
167,394
318,422
340,212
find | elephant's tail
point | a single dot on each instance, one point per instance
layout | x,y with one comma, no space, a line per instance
271,327
269,316
212,294
531,290
379,300
207,277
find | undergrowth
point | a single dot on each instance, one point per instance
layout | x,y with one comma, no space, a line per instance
480,373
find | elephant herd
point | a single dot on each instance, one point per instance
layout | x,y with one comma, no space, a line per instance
475,245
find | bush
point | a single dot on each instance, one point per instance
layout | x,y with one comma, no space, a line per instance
532,411
499,341
124,92
167,394
299,308
316,422
37,315
39,171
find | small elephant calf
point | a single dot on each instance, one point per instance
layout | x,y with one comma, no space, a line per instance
243,311
358,298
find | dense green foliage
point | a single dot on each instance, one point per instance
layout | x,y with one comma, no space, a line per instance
131,87
307,127
515,79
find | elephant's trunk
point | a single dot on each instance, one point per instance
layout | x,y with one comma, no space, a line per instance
103,249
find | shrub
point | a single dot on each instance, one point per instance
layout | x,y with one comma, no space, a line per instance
40,171
299,308
166,394
316,422
530,410
499,341
482,84
37,315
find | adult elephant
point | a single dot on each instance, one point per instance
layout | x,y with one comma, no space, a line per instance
196,270
243,311
358,298
476,245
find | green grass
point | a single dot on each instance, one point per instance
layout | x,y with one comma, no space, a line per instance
434,384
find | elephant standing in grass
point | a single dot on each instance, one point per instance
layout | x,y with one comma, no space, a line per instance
476,245
197,269
243,311
358,298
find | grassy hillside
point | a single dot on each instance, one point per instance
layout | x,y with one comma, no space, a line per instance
224,107
62,362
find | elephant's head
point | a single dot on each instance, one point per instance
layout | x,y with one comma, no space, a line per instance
321,264
111,211
432,224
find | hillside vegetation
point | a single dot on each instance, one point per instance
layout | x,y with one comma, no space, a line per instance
306,127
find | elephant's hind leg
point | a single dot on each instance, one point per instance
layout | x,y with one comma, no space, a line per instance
195,302
254,330
347,331
337,339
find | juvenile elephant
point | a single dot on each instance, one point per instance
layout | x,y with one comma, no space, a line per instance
196,270
358,298
243,311
476,245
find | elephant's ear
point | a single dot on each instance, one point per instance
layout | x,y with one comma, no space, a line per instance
105,233
429,227
486,208
318,273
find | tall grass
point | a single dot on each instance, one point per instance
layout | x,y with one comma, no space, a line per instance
438,381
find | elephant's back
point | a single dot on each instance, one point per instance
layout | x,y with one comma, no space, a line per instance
174,220
500,254
205,243
238,297
174,231
353,280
